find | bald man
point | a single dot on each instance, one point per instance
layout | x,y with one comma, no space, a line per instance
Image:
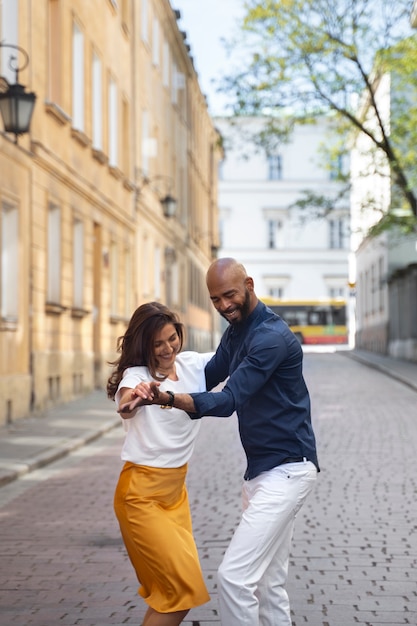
262,359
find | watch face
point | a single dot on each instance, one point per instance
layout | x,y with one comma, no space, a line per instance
4,85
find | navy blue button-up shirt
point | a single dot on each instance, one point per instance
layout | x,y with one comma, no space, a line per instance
263,360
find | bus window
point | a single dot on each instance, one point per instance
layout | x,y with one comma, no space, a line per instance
339,316
317,318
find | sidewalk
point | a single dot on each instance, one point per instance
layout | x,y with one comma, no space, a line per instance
403,371
34,442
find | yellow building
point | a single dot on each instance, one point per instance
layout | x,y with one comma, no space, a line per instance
119,127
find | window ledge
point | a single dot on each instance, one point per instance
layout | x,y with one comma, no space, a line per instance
57,113
80,136
116,319
54,308
99,156
127,184
8,323
79,313
113,4
114,171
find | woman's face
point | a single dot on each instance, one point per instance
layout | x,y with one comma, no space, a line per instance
166,346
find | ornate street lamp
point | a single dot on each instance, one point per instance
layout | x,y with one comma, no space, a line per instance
168,202
16,105
169,205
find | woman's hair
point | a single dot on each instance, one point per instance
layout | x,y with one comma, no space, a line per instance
137,344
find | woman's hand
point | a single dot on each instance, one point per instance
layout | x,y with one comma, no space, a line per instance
143,394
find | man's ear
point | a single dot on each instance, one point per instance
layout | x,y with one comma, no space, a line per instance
249,283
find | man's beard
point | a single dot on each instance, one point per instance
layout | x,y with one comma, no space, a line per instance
243,308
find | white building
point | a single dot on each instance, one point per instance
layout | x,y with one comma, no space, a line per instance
288,253
376,259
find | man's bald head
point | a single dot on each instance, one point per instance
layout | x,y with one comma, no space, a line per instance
231,289
226,268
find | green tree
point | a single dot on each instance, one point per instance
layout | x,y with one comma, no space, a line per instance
306,58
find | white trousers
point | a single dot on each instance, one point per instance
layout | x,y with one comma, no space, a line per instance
254,570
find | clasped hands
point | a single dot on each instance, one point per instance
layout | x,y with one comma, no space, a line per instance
143,393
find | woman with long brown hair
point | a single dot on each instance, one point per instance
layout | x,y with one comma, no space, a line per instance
151,500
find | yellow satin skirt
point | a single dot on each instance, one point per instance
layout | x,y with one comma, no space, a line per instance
151,505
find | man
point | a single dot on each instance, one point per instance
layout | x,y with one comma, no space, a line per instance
263,360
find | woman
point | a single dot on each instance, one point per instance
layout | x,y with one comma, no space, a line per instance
151,500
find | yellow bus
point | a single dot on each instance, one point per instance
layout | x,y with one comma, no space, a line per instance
313,321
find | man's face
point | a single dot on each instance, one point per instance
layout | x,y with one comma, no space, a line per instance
231,298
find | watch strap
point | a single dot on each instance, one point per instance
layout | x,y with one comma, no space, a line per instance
170,402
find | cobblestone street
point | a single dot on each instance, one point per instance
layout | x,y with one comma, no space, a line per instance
354,557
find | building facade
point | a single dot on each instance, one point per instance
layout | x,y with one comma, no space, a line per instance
289,253
385,321
87,231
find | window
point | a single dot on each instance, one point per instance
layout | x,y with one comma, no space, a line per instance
113,136
175,284
274,231
114,278
53,294
55,39
78,264
144,20
276,292
165,64
171,277
77,78
336,292
336,167
145,137
157,272
97,103
174,90
9,32
9,262
128,299
337,234
146,263
155,42
275,167
374,288
126,133
381,281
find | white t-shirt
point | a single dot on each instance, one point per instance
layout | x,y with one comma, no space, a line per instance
163,437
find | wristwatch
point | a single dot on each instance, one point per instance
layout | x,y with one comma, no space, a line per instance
170,402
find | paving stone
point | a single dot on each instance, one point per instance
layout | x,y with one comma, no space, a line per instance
354,557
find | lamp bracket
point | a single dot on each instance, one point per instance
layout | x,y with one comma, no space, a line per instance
162,186
13,60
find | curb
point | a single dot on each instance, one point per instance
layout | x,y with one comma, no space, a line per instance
56,453
382,368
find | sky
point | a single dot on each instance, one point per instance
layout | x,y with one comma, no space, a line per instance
206,22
